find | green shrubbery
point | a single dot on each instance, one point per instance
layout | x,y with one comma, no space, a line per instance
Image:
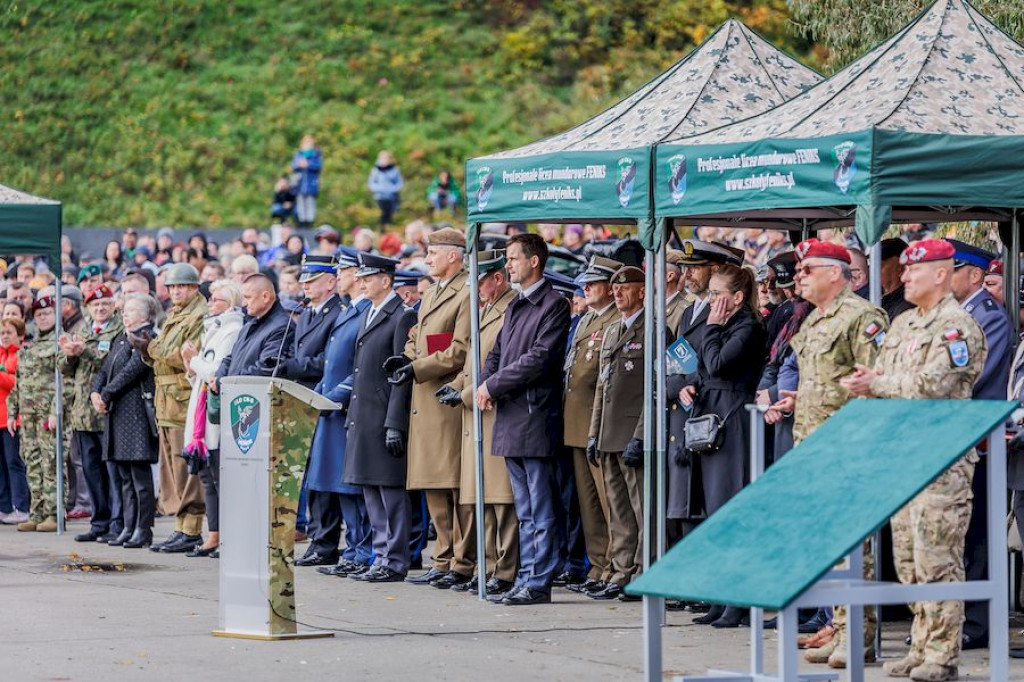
183,112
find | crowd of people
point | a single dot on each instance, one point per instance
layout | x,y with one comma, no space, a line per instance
383,328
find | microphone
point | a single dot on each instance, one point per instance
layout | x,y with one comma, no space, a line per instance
277,365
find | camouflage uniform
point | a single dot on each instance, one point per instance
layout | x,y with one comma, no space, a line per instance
76,324
180,493
32,398
80,371
936,354
829,344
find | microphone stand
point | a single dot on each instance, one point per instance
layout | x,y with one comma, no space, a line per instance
277,365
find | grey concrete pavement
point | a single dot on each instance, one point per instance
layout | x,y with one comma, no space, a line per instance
153,622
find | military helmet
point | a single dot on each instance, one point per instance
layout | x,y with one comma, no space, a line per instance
181,273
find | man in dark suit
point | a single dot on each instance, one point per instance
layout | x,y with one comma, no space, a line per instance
322,305
522,381
700,260
970,264
378,421
265,336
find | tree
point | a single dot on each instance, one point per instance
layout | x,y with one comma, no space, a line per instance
849,28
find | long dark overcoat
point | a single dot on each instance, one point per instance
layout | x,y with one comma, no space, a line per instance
523,373
121,381
306,365
327,454
376,404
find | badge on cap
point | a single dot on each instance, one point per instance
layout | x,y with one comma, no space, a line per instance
958,353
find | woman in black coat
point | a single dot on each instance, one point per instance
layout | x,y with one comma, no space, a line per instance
130,438
732,356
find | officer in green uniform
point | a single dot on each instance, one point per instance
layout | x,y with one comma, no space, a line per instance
79,359
180,493
935,352
843,331
32,398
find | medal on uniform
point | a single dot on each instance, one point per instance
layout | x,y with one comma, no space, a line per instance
635,345
589,356
590,344
629,365
103,346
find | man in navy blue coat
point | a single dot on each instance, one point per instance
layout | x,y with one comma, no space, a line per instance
970,264
522,381
313,326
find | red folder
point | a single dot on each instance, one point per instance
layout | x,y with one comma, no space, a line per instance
438,342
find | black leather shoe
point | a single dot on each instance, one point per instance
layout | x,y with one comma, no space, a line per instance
198,551
586,586
91,536
122,538
498,586
968,642
317,559
731,618
596,587
771,624
628,597
610,591
815,623
450,579
342,568
675,605
565,578
468,586
527,597
701,607
171,539
1016,653
360,573
432,574
383,574
499,597
139,538
184,544
108,536
711,616
215,554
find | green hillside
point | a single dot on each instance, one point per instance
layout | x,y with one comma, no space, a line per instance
185,112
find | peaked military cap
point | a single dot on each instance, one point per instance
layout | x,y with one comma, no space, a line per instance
628,274
784,267
599,269
563,284
371,264
315,265
347,257
696,252
407,278
968,254
490,261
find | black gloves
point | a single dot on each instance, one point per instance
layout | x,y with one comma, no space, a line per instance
592,450
399,368
680,455
140,342
1016,443
633,455
395,442
446,395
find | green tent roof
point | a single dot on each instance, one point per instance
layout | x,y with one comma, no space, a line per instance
929,126
30,225
600,170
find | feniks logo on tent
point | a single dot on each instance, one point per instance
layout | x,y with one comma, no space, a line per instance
485,180
845,155
627,178
677,177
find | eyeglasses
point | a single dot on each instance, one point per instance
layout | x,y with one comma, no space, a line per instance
807,269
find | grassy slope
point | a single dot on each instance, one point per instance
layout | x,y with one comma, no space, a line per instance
184,112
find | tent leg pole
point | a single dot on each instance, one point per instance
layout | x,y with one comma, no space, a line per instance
805,231
653,608
59,450
649,417
1011,266
788,624
756,469
998,606
660,413
478,420
875,273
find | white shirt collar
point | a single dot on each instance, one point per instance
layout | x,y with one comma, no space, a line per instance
628,321
533,287
375,309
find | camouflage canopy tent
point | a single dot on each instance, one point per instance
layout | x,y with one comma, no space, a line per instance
927,127
600,171
31,225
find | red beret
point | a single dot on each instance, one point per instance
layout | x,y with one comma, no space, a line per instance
102,291
44,302
927,250
995,268
815,248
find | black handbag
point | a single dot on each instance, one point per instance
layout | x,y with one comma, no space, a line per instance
150,408
704,434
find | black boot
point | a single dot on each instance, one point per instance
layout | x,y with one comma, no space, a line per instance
711,616
731,618
140,538
122,537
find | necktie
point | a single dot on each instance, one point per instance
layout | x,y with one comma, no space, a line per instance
97,329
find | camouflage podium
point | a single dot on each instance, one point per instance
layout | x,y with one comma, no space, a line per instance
266,430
